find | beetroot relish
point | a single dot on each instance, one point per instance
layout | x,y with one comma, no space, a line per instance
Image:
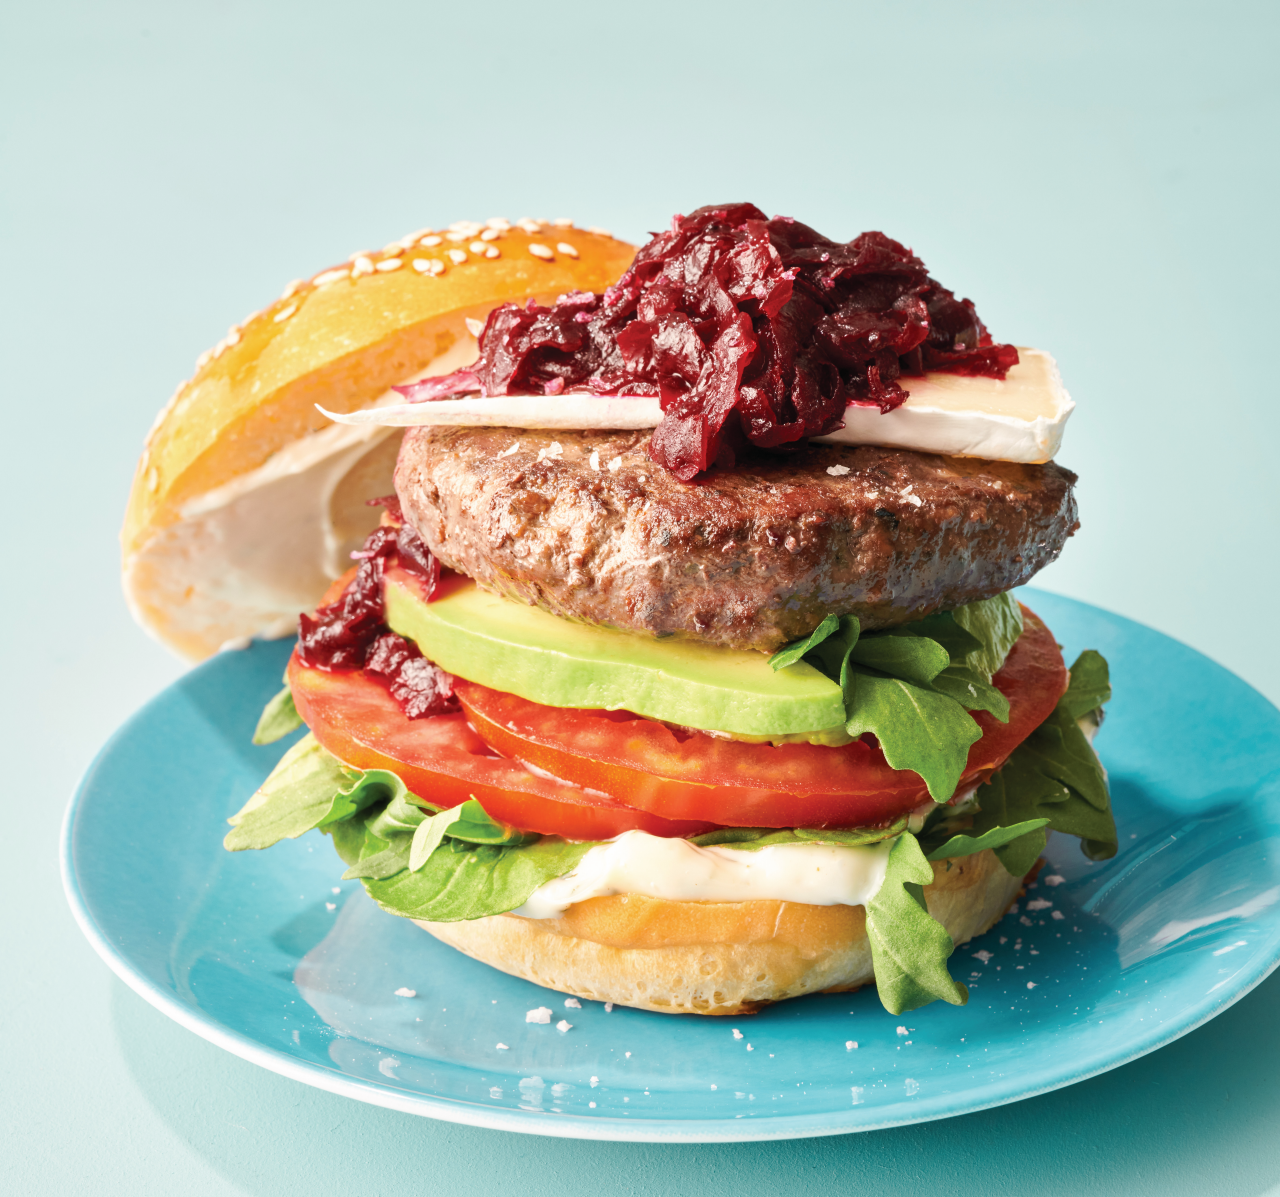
351,633
749,331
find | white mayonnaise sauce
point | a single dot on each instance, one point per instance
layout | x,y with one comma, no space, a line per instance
1019,419
639,863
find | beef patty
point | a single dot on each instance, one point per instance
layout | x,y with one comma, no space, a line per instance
587,527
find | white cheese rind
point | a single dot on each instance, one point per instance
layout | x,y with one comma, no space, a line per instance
639,863
1020,419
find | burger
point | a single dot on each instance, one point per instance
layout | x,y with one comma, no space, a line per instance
657,642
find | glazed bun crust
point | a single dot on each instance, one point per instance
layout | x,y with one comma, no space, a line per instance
342,340
716,957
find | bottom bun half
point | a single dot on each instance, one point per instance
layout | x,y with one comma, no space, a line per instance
716,957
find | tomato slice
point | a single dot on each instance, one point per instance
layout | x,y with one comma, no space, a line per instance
442,760
687,775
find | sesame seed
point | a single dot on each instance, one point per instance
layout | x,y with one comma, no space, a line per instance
490,234
153,479
389,264
330,276
292,289
362,265
477,247
395,249
474,327
599,232
565,248
468,228
204,359
432,266
498,223
493,252
529,226
541,251
563,222
428,242
285,313
233,336
458,235
457,256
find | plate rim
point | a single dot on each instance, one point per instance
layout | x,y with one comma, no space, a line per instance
570,1126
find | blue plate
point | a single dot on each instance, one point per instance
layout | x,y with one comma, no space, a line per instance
269,956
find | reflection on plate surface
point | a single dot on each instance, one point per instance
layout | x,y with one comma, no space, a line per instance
269,955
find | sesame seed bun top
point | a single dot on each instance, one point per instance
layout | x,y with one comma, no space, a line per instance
340,339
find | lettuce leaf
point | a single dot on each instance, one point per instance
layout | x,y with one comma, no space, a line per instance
997,837
749,839
909,947
461,881
279,717
308,788
1090,684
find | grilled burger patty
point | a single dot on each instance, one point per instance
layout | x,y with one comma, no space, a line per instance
587,527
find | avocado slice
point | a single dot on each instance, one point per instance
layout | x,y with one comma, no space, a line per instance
526,651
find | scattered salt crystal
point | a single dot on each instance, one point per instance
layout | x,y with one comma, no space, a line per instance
594,459
1039,904
502,1047
615,465
737,1034
510,449
474,327
750,1048
572,1004
403,992
337,889
850,1045
608,1007
1031,984
903,1031
1053,879
541,1014
595,1080
1057,914
838,471
331,906
984,956
563,1025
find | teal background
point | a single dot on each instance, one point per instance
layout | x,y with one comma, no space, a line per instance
1100,178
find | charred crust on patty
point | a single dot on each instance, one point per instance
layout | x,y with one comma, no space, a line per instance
584,525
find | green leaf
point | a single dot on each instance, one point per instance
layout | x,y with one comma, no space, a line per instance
464,881
909,947
749,839
1054,775
918,729
909,657
1090,684
789,654
971,690
997,837
428,835
308,788
279,717
996,623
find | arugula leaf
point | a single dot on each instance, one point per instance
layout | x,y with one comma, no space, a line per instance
308,788
997,837
1090,684
918,729
909,947
279,717
913,658
996,623
464,881
971,690
789,654
1054,775
751,838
